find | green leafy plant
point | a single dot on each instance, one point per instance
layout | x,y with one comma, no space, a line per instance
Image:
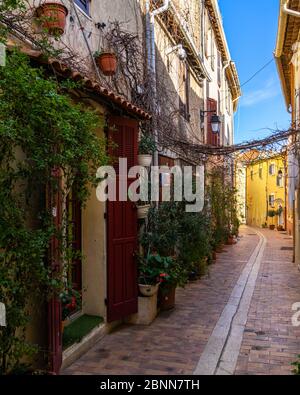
41,130
194,241
223,208
147,145
71,302
149,269
296,366
272,214
161,232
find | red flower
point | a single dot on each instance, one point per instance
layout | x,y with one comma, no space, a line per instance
73,302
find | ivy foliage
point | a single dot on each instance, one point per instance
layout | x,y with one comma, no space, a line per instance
41,129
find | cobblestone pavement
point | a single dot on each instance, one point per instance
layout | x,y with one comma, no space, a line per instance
174,343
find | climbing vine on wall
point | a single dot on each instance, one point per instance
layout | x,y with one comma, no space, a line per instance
41,129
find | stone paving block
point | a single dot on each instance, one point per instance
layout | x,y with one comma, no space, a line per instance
174,343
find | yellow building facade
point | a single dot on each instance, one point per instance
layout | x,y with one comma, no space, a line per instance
266,192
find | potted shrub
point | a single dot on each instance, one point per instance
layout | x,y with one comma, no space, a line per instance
149,274
51,16
272,214
142,210
147,148
71,303
173,277
230,240
107,62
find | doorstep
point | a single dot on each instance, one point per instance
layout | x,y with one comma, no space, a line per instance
74,352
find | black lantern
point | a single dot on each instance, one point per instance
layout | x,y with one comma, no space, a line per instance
215,123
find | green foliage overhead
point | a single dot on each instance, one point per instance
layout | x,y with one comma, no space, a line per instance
41,129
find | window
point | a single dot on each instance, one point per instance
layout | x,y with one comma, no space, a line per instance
272,169
84,5
219,68
212,51
260,172
272,201
252,175
184,101
280,179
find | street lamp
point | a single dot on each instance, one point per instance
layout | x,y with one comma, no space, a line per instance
215,121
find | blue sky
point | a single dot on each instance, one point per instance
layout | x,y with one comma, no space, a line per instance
251,29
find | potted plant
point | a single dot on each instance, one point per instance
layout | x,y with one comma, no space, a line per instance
230,240
51,16
173,277
149,274
272,214
147,148
71,302
142,210
107,62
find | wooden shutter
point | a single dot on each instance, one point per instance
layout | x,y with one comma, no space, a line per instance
122,292
212,138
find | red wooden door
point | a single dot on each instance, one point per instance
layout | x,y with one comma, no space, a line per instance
212,138
54,305
122,290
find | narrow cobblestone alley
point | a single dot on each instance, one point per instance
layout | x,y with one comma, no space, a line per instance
237,320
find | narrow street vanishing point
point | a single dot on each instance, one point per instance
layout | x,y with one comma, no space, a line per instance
239,320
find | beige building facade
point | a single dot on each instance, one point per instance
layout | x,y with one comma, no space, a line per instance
181,75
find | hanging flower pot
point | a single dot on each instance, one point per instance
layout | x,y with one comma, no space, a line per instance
53,17
107,63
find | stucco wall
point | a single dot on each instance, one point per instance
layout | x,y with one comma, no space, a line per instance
259,189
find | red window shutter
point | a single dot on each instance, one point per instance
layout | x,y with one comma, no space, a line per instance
122,290
212,138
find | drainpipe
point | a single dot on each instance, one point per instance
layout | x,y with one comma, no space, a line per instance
202,6
288,11
150,39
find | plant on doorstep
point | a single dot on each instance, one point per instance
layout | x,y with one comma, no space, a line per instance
71,302
272,214
147,148
194,240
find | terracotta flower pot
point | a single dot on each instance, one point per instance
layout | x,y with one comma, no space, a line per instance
107,63
230,241
53,17
272,227
219,249
167,298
